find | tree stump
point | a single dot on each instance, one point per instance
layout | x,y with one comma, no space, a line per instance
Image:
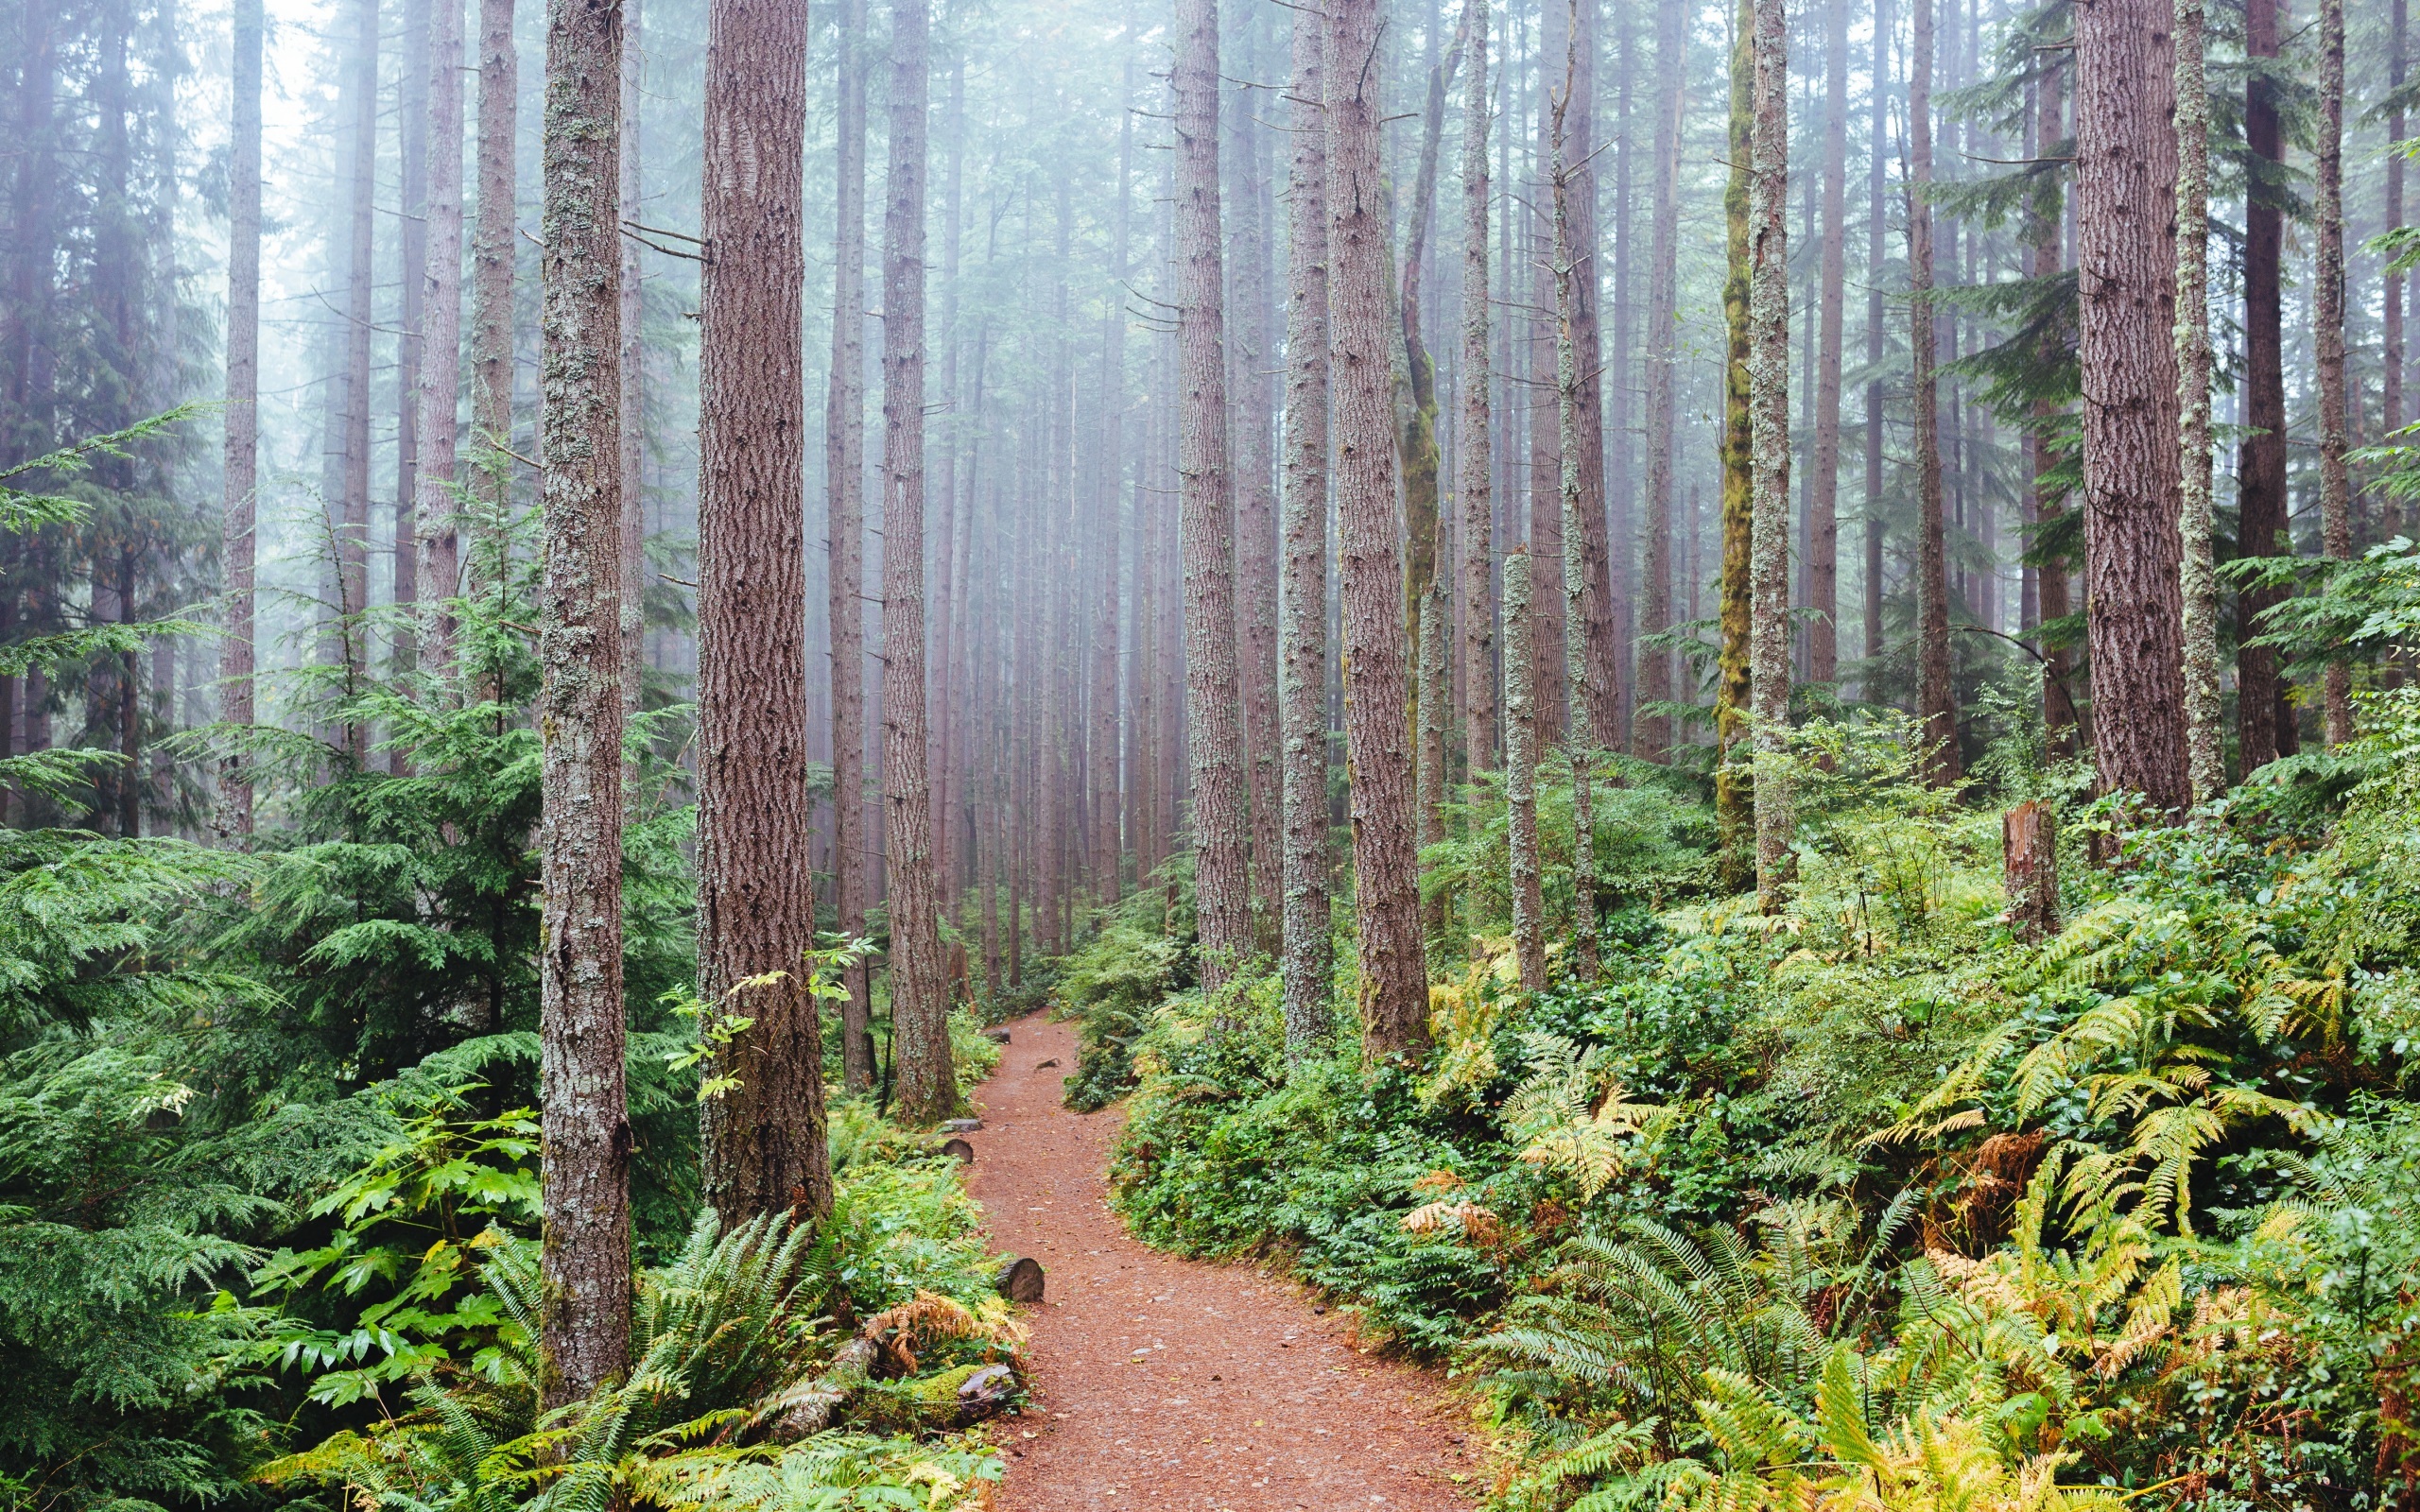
2028,847
1020,1279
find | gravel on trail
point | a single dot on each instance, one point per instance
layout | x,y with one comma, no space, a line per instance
1167,1383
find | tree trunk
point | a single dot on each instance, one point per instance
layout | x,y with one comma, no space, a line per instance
410,345
1876,229
1309,960
1823,488
493,252
2205,737
844,440
1569,275
1222,888
1595,676
634,400
1472,448
2058,655
441,384
2328,311
1394,971
2029,863
1521,773
1621,526
584,1339
2265,718
1549,668
1416,441
352,530
1652,729
2126,255
1936,696
1108,846
242,470
925,1085
763,1138
1733,796
2390,312
1255,505
1768,415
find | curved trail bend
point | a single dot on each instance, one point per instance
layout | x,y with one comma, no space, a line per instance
1167,1383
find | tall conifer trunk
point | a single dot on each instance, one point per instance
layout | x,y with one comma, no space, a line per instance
410,343
2058,657
1220,823
440,387
1302,662
924,1087
1521,774
1394,974
844,529
1255,503
765,1138
242,469
1473,459
2328,314
2205,739
2126,257
353,524
1831,282
493,254
1768,430
634,400
1936,696
2265,717
584,1340
1652,729
1734,815
1877,233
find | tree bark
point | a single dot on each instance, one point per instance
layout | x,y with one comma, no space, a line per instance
440,380
410,343
1652,729
1473,457
1595,679
1255,505
1222,892
1569,275
1831,282
242,469
493,252
1733,796
1876,232
2327,311
2205,737
353,527
2058,656
1310,950
634,399
1108,842
1395,972
1768,415
1416,441
2391,304
925,1085
763,1138
1936,696
2265,718
1521,773
2125,178
585,1320
844,527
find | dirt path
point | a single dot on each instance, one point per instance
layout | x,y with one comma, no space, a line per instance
1165,1383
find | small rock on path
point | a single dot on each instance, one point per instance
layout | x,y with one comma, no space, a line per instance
1167,1383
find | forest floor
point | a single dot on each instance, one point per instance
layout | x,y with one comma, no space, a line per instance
1169,1383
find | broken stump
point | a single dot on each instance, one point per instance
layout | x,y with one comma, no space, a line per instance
2030,851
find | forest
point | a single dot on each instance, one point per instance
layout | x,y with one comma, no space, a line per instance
1701,719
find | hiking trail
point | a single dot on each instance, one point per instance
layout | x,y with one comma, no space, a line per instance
1168,1382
